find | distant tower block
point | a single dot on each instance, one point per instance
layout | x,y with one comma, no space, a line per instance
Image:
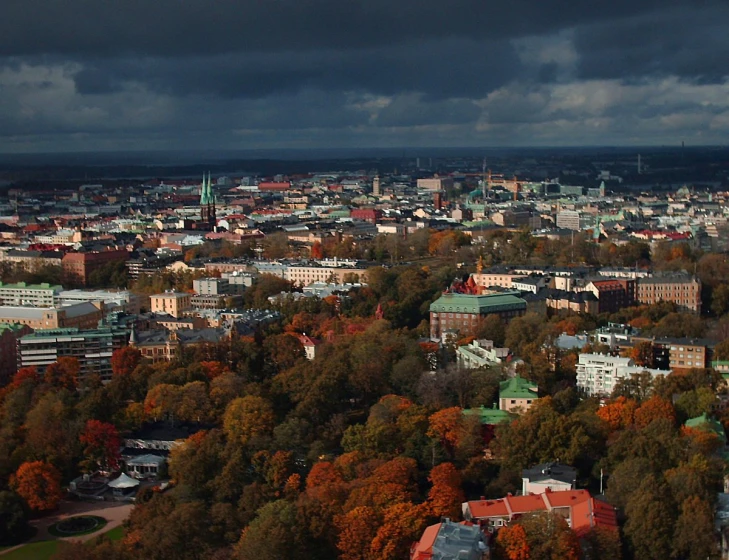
376,186
640,170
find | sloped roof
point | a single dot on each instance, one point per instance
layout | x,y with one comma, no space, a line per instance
517,388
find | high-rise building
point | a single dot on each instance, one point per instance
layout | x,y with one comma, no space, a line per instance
376,186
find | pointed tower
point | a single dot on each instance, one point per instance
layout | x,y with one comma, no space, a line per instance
207,204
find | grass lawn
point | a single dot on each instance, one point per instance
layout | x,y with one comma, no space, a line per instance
116,534
34,551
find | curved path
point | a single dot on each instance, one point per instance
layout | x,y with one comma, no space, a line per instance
114,512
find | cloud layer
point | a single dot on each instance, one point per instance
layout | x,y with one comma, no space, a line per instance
89,75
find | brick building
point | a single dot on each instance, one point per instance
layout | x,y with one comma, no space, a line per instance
462,312
9,335
613,294
77,267
680,288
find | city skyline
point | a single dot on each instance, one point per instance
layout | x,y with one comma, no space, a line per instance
320,74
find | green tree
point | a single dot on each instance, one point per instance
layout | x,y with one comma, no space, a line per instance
651,518
14,526
694,538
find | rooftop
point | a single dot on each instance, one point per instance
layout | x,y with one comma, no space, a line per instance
517,388
465,303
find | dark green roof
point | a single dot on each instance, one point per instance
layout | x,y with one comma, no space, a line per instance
517,388
481,305
488,416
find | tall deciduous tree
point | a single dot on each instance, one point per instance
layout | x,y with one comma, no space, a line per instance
63,373
446,495
102,445
652,409
125,360
694,538
39,484
511,543
14,525
357,528
651,520
248,417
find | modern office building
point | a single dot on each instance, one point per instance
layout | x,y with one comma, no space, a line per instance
92,348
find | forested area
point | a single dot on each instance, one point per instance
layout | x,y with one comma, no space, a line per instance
351,455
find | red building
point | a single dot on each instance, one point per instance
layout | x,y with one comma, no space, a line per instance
270,186
371,215
77,267
612,294
9,335
581,511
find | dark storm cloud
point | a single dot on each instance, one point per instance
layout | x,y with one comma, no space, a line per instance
446,68
183,28
691,43
379,72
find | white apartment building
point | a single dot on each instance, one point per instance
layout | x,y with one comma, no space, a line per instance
29,295
568,219
597,374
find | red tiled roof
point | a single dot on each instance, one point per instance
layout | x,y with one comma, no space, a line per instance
585,511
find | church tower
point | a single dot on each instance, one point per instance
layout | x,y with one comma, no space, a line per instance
207,204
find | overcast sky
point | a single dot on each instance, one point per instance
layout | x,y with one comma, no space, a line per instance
92,75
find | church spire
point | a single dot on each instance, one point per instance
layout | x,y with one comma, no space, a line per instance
203,192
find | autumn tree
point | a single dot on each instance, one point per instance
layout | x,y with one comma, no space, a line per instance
694,538
511,543
39,484
619,413
652,409
102,444
247,418
549,536
63,373
642,354
650,513
446,425
357,528
446,495
402,525
125,360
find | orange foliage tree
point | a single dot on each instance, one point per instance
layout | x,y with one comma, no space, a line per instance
511,542
403,524
652,409
214,369
39,484
447,425
125,360
357,528
63,373
446,495
619,413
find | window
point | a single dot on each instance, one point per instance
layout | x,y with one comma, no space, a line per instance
513,402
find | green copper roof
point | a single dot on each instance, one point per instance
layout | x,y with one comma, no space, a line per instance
517,388
707,423
488,416
464,303
24,286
